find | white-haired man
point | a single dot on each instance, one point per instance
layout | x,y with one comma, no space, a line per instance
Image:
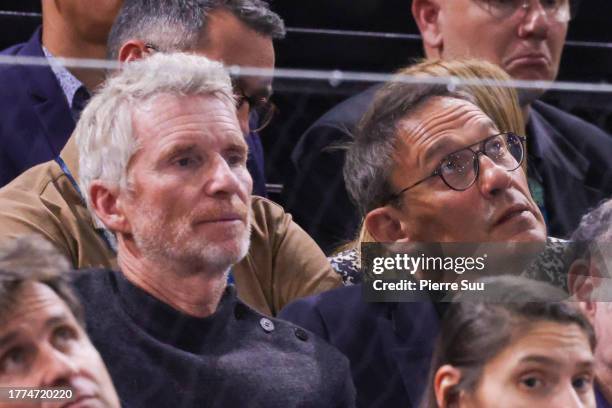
283,263
172,184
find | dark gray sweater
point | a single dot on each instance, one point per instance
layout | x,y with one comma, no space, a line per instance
160,357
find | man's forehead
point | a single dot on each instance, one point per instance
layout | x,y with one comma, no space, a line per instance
442,123
229,40
33,299
199,118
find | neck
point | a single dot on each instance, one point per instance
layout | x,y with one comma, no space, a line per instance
188,289
65,43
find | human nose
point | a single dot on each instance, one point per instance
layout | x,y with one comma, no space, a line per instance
57,367
569,398
493,179
535,22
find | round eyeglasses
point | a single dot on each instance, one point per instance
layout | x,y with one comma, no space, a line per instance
459,170
559,10
261,109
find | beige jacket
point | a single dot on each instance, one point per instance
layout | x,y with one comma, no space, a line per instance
283,262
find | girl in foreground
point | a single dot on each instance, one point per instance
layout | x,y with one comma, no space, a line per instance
525,349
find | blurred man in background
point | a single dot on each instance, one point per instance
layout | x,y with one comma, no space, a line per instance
569,169
40,104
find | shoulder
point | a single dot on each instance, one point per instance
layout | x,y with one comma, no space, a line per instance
346,114
92,283
332,311
336,126
570,125
34,201
267,212
287,336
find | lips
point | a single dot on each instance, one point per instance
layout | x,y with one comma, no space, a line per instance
528,58
221,218
510,213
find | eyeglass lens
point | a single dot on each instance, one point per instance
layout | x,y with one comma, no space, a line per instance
560,10
459,170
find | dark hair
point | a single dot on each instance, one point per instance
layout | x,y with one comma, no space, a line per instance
475,329
177,25
30,259
369,158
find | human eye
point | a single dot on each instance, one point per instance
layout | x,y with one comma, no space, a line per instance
583,383
63,335
495,148
456,163
14,360
551,4
236,158
185,162
531,382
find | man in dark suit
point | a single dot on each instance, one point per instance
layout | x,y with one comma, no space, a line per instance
467,185
568,159
39,104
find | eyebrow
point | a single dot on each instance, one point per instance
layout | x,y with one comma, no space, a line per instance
177,149
551,361
51,322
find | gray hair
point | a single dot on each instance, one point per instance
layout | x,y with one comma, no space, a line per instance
594,230
178,25
370,157
29,259
104,133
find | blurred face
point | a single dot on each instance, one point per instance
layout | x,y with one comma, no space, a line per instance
497,207
42,345
527,43
551,365
230,41
602,321
188,198
92,21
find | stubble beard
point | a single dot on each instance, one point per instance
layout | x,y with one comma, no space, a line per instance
174,244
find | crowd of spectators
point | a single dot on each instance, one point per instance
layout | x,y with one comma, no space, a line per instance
142,264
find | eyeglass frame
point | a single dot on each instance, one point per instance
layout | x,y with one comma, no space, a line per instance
255,103
242,97
526,4
475,162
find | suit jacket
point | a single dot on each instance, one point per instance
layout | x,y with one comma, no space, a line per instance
569,155
389,345
36,121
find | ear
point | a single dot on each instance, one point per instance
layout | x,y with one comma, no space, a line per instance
133,50
446,379
106,204
384,225
426,13
582,279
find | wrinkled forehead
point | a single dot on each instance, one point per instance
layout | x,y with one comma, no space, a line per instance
30,299
442,124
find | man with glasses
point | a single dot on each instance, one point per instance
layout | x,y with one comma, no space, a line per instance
567,159
284,263
427,166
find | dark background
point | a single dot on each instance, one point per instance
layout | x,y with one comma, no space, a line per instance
302,102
